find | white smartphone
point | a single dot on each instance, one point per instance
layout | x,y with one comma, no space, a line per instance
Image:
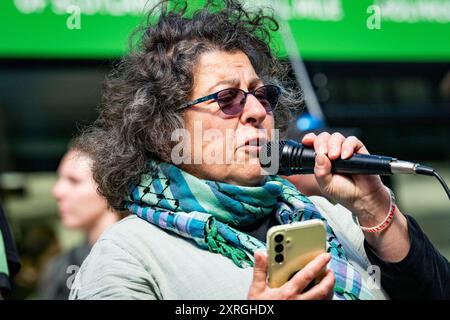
292,246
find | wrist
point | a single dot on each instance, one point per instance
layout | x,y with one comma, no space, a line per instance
371,209
393,245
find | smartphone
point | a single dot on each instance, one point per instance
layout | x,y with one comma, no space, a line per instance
291,246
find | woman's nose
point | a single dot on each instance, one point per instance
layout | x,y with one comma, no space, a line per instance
57,190
253,112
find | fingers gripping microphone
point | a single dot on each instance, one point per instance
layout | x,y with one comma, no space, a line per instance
288,157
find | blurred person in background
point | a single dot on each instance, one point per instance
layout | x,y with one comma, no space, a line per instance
9,259
81,208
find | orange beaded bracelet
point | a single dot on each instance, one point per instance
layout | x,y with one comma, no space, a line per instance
386,222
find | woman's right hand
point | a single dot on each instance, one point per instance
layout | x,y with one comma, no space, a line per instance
294,288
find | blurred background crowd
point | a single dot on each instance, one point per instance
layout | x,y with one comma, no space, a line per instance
368,68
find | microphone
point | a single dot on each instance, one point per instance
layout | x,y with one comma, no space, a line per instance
288,157
295,158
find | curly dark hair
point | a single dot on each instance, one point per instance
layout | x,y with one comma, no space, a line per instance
140,96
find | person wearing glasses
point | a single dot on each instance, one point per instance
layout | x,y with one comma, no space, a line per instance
182,120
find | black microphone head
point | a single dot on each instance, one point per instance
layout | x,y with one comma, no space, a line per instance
285,157
265,154
269,156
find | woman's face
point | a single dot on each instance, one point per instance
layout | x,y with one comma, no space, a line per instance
75,191
228,145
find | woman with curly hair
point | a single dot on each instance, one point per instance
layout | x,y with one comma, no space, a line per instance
198,227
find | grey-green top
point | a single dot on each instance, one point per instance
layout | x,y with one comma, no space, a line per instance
137,260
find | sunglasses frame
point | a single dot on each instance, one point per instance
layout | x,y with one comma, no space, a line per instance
215,97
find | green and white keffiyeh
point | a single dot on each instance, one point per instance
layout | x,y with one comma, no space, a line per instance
205,212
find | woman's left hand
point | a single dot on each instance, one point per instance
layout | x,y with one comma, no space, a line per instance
364,195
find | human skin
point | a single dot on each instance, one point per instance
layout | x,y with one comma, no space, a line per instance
365,196
215,71
79,204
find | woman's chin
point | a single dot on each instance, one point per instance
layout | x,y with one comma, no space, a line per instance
247,176
71,223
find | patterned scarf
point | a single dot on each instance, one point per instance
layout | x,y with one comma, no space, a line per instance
204,211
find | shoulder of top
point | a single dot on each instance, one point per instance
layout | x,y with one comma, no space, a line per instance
140,238
131,227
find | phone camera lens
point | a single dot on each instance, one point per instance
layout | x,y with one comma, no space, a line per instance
279,238
279,258
279,248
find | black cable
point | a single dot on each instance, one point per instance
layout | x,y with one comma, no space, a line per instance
443,183
428,171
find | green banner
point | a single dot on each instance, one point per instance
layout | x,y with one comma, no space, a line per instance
373,30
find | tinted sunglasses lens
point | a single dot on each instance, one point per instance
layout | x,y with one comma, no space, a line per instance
231,101
268,96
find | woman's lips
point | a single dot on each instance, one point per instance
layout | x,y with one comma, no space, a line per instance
252,151
254,142
253,146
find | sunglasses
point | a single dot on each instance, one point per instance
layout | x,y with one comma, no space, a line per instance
232,100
